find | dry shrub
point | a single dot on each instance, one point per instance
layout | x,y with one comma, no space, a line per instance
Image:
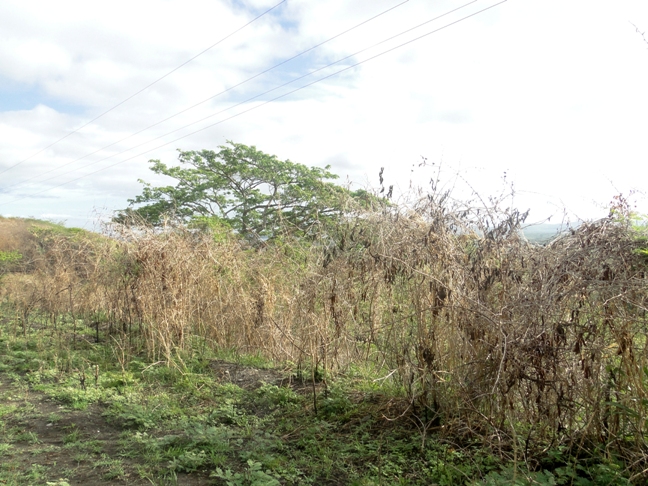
13,234
493,337
526,347
164,288
17,241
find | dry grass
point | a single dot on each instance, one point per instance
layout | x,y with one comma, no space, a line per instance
524,347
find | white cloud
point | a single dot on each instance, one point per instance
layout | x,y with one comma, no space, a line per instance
551,92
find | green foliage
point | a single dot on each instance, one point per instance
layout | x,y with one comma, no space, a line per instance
189,461
217,227
274,396
10,257
621,212
572,474
134,415
201,447
36,473
229,412
240,187
336,404
513,478
252,476
113,468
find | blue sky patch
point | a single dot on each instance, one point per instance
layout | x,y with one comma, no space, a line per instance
296,70
17,97
277,14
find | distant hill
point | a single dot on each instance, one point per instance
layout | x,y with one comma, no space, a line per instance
16,232
544,233
22,240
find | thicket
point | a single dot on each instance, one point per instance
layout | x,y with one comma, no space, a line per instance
525,349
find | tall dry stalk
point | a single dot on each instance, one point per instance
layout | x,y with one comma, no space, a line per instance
488,335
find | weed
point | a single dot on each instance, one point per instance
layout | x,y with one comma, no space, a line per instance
113,468
28,436
135,415
274,396
253,475
4,449
81,457
54,418
72,437
7,409
43,450
36,473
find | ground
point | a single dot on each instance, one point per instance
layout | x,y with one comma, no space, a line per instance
220,421
46,442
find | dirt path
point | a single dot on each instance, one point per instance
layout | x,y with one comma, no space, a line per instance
43,442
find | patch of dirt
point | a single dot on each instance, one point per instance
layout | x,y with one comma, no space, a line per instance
82,447
250,378
247,377
78,446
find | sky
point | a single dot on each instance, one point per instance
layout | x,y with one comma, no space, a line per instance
544,99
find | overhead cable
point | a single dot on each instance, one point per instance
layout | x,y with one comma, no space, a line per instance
253,97
264,103
200,103
143,89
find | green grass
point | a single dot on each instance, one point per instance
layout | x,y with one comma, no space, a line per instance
168,421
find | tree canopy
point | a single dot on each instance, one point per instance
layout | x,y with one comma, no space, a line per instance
256,194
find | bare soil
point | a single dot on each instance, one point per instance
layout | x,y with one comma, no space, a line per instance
81,446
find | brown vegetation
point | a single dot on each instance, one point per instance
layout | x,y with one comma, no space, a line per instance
524,347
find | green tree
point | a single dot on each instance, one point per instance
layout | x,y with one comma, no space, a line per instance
256,194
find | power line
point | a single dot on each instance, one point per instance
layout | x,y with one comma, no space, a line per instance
266,92
261,94
143,89
268,101
202,102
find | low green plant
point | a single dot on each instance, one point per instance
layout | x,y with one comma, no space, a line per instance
82,457
9,257
576,474
114,468
72,437
189,461
7,409
36,473
135,415
54,418
336,403
29,437
277,396
4,448
43,450
253,475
